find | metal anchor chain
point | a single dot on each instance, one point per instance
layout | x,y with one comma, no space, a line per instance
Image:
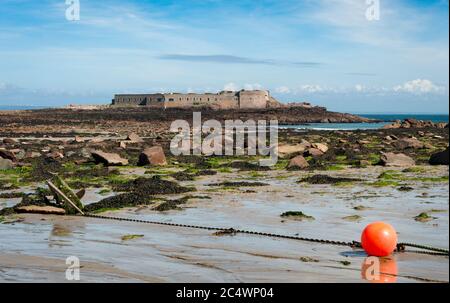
401,247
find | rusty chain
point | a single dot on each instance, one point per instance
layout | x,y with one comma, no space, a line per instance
401,247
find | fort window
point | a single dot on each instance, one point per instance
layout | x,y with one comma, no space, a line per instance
171,99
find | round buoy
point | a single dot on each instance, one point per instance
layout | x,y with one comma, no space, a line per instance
379,239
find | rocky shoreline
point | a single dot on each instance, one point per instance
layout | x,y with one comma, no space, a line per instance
120,165
75,147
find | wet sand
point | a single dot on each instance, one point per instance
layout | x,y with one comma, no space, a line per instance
34,248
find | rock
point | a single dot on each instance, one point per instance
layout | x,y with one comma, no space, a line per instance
10,141
6,154
406,143
97,140
133,137
153,156
389,138
428,146
364,163
440,158
32,155
70,154
413,123
45,210
395,125
109,159
320,146
298,162
18,153
396,160
363,142
55,155
122,144
305,143
314,152
442,125
6,164
78,139
285,150
85,153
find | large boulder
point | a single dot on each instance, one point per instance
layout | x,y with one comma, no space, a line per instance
320,146
286,149
396,160
394,125
440,158
6,164
313,152
109,159
298,162
152,156
406,143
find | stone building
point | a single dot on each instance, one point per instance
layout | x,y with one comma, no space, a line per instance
223,100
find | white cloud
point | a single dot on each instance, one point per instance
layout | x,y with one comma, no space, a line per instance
231,87
235,87
255,86
314,88
418,86
360,88
283,90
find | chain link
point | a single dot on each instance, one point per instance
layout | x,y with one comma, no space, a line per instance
401,247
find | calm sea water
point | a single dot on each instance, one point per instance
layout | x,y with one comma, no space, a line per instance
353,126
434,118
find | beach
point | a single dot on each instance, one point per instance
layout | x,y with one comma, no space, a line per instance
343,189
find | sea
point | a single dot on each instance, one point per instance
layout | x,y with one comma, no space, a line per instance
386,118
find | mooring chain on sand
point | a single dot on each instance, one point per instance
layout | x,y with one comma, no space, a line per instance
438,251
401,247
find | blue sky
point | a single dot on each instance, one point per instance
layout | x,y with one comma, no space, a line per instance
322,51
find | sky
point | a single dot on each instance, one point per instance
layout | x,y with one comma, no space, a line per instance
327,52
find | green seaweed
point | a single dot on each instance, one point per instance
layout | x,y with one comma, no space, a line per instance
298,215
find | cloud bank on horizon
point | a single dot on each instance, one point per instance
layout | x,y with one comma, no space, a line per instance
326,51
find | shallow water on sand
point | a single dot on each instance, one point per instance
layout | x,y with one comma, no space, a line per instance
36,248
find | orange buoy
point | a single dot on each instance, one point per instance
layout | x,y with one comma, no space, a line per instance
379,239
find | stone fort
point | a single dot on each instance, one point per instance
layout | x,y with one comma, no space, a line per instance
244,99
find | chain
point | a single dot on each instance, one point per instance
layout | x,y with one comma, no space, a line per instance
401,247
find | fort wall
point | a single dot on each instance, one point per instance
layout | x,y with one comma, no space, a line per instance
221,100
